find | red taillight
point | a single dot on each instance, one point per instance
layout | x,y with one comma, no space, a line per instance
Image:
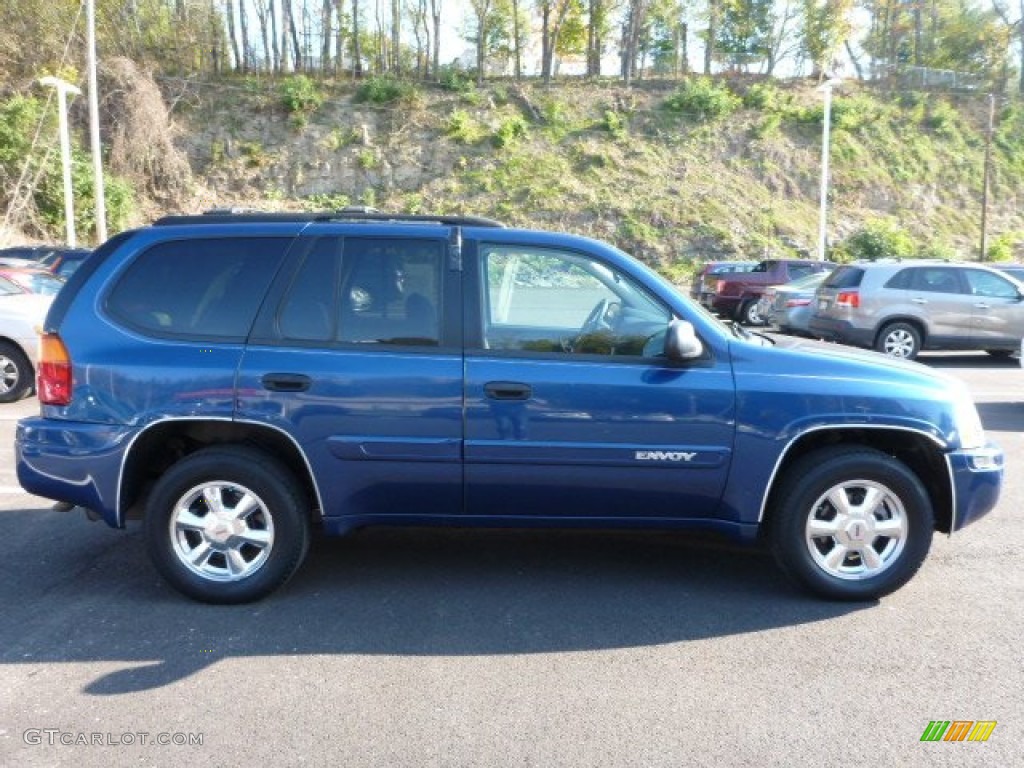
54,377
849,299
797,302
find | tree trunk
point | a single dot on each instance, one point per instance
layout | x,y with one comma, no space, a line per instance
396,36
435,12
709,44
327,34
229,13
276,64
357,52
517,50
243,25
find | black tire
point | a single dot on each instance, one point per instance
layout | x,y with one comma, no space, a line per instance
838,564
254,546
900,340
749,314
17,377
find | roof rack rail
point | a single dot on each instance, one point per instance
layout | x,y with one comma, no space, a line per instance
349,213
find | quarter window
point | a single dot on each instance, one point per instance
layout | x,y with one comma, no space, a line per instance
201,288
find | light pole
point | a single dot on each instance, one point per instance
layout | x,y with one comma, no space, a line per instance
94,123
826,124
63,89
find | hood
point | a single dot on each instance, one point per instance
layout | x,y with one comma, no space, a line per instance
828,360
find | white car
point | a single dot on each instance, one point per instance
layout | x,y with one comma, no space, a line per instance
21,317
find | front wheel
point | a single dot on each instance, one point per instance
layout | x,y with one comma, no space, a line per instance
851,523
227,525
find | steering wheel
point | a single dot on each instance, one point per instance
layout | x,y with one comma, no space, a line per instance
602,317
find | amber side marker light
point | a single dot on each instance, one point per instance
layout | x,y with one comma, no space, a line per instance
54,371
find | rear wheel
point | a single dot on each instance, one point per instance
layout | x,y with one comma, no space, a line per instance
851,523
900,340
227,524
16,374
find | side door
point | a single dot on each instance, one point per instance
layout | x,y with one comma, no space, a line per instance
357,357
997,319
941,296
571,410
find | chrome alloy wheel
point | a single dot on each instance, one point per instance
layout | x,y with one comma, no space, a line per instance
856,530
10,375
900,343
221,531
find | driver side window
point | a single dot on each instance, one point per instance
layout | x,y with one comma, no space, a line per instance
540,300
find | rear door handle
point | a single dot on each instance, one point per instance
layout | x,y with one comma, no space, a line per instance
508,390
286,382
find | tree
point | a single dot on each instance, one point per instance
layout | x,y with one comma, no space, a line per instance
1013,27
633,29
744,34
553,16
826,27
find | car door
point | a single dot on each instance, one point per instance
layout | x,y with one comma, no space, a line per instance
939,293
355,358
997,319
571,411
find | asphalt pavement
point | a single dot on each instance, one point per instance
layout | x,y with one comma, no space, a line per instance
398,648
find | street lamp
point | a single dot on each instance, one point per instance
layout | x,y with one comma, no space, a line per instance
826,123
63,89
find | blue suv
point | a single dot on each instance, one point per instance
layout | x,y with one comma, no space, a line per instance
235,380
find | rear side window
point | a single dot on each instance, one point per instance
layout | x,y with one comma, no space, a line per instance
365,291
844,278
202,288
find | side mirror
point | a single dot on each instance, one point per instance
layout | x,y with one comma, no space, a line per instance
681,342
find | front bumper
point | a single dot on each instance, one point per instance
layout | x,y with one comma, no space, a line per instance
74,462
977,477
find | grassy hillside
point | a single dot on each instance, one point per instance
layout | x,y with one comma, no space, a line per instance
671,172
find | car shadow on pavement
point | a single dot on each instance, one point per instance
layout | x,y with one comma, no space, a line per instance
435,592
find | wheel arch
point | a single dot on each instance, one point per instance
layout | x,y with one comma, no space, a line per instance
164,442
918,323
921,452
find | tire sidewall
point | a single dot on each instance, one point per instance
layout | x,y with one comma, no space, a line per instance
26,375
267,479
749,314
808,480
889,329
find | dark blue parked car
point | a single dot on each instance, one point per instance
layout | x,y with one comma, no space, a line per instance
236,380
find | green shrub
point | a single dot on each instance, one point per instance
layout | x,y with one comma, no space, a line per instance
385,90
879,239
454,79
300,95
762,96
1005,246
511,130
463,128
614,123
702,98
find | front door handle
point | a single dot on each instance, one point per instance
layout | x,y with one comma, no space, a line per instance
286,382
508,390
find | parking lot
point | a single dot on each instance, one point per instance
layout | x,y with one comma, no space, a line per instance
499,648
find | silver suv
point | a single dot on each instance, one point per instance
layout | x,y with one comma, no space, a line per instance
900,308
